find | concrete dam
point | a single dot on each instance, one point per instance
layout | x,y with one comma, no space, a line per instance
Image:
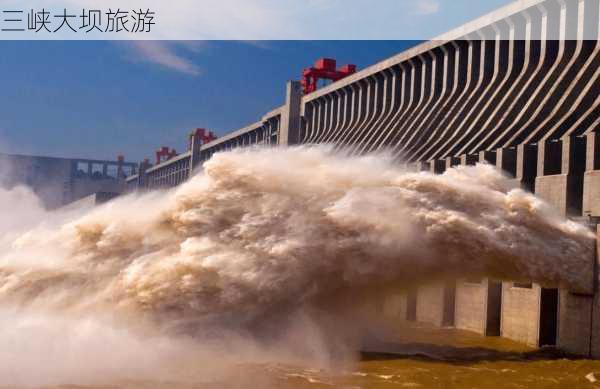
517,89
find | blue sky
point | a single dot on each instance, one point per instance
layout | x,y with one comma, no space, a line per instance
99,98
96,99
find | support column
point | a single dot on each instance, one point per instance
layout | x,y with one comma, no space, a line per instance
471,298
438,166
432,304
506,160
120,161
469,160
487,157
574,322
560,169
591,178
521,312
290,116
451,162
195,153
143,166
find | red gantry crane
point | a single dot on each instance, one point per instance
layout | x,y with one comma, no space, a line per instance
324,69
164,154
199,136
202,136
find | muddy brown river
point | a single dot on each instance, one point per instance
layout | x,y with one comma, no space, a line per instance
421,358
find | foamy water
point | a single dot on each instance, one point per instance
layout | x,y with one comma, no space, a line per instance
250,250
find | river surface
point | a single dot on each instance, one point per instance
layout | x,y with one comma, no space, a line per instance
424,358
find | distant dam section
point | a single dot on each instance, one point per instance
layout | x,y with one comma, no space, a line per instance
58,182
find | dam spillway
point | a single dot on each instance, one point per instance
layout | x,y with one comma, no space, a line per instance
517,89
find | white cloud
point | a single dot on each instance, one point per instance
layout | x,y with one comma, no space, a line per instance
164,53
427,7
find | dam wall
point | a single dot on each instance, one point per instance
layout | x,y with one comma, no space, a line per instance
471,305
517,89
430,304
62,181
521,312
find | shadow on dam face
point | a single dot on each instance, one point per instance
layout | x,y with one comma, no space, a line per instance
449,303
494,309
548,317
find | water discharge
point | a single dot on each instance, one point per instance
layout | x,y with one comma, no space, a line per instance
257,258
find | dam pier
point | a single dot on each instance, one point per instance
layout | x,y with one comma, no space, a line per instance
517,89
